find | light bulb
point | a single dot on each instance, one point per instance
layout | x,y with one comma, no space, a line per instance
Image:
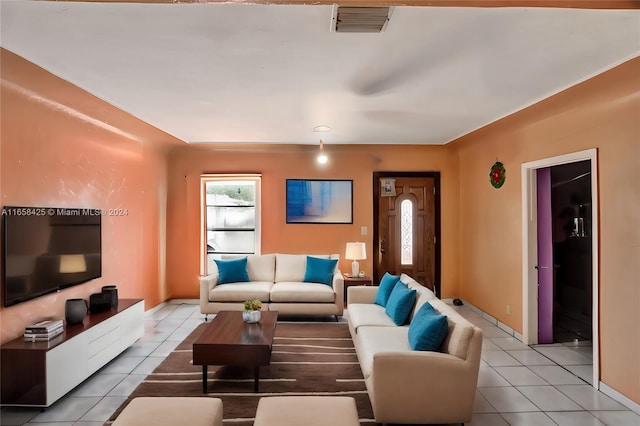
322,157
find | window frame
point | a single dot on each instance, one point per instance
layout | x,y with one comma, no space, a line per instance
206,178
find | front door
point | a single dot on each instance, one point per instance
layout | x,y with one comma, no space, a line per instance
406,213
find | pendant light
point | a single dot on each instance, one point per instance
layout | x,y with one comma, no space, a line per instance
322,157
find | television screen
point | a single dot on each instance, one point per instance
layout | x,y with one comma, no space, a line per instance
47,249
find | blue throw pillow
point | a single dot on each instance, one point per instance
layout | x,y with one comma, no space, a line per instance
400,303
320,270
387,283
232,271
428,329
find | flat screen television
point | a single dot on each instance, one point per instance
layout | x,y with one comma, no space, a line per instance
46,249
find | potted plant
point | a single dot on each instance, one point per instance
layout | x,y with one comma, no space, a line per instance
251,312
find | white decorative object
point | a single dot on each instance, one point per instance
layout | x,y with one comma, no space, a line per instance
251,317
251,312
355,251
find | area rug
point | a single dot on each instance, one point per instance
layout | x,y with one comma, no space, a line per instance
308,358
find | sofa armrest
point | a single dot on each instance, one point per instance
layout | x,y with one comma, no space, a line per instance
207,283
338,287
361,294
402,381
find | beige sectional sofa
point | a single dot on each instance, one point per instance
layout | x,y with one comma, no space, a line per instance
410,386
277,281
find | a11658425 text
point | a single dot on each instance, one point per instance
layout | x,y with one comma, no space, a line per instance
50,211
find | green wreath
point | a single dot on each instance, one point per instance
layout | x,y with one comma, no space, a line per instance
497,175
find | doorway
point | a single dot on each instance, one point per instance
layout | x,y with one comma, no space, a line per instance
571,212
406,235
564,253
586,297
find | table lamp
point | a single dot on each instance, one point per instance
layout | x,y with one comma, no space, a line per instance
355,251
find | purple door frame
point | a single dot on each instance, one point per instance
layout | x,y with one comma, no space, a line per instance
545,257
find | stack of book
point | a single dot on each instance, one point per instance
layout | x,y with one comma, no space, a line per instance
43,330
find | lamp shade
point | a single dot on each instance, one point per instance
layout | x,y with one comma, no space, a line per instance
355,251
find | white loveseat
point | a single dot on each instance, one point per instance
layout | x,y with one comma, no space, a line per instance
277,281
411,386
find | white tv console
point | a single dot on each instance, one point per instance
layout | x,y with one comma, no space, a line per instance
37,374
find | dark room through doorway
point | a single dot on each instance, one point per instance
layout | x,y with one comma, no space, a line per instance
571,218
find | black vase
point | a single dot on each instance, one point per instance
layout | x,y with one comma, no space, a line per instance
75,311
112,291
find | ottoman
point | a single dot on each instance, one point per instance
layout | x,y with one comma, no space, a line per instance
307,411
171,411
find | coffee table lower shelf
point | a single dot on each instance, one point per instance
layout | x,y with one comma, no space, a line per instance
228,340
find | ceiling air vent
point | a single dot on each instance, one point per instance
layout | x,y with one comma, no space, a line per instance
360,19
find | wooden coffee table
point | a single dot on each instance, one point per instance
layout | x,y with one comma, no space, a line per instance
230,341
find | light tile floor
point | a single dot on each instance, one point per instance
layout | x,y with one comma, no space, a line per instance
517,385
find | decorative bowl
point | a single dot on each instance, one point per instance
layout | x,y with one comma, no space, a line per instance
251,317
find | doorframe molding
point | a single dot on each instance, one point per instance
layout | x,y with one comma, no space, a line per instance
530,249
376,238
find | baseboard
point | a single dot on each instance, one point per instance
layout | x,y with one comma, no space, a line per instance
183,302
155,308
172,302
610,392
614,394
502,326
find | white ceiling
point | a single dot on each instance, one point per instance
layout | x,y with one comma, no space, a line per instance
269,73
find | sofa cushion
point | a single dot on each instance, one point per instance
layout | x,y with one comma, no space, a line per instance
459,332
363,314
411,283
427,329
387,283
319,270
302,292
261,267
423,296
400,303
291,267
232,270
373,340
423,293
239,292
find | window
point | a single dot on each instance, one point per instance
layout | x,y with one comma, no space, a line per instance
406,232
231,216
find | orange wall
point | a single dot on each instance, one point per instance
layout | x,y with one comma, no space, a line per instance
276,164
53,153
56,150
602,113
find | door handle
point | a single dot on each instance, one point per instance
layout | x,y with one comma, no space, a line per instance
381,246
541,267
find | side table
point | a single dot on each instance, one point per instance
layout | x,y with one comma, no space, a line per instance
349,281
